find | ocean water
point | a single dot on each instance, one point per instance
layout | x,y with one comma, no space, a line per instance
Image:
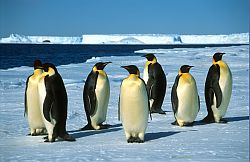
16,55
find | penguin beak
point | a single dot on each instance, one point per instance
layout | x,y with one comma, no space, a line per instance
106,63
125,67
190,67
146,56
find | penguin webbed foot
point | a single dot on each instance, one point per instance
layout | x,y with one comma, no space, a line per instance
87,127
208,120
135,140
69,138
174,123
52,140
160,111
105,126
223,121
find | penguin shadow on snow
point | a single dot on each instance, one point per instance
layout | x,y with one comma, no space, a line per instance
238,118
157,135
228,119
80,133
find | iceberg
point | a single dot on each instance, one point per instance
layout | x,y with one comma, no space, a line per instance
241,38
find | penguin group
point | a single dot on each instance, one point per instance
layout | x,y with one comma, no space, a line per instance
46,98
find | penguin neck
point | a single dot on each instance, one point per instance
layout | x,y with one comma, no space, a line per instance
133,76
38,71
50,72
221,63
101,72
186,76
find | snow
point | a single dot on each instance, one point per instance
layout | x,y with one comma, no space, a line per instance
163,141
242,38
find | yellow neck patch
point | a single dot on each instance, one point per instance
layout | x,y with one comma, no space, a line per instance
101,72
51,71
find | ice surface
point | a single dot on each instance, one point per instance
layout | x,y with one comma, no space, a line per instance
132,39
163,142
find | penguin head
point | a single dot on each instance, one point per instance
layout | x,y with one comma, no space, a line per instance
37,64
217,56
150,57
185,69
49,68
101,65
132,69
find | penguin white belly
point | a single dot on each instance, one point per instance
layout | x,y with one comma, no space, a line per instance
34,113
145,73
225,83
134,108
102,94
188,103
42,94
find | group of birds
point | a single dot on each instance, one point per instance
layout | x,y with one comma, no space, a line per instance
46,98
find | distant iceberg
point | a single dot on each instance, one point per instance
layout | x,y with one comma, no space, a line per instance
242,38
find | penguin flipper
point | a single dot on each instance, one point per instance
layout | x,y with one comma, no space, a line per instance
48,101
174,97
150,113
25,97
47,107
119,117
89,96
212,86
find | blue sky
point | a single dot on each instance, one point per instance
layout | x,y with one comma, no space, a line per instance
77,17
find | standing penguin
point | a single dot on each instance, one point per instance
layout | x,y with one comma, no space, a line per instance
96,97
134,105
218,90
184,98
54,103
156,82
31,101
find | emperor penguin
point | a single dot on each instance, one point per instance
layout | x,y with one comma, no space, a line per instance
53,104
218,90
96,94
31,101
133,105
156,82
184,98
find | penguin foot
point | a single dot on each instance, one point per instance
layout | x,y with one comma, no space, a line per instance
135,140
138,140
46,137
104,126
208,119
87,127
160,111
52,140
188,124
69,138
130,140
223,121
174,123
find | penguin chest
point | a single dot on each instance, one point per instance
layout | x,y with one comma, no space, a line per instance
145,73
188,103
225,83
42,94
33,105
102,92
134,106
